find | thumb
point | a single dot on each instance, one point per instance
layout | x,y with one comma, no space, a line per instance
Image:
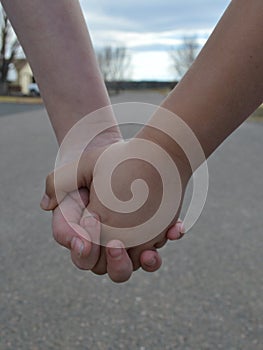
64,180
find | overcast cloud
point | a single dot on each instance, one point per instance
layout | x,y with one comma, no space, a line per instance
152,26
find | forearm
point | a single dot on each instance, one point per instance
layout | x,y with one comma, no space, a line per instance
55,39
225,84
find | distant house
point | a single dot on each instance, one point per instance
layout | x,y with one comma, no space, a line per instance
24,75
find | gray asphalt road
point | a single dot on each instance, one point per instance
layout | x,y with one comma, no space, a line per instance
207,295
13,109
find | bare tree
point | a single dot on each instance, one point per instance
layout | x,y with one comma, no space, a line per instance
115,63
8,50
184,56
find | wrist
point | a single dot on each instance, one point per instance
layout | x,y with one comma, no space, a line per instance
74,150
70,101
171,147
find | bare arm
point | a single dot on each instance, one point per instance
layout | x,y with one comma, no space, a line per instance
56,41
225,84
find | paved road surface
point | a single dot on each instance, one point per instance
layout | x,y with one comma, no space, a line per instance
207,296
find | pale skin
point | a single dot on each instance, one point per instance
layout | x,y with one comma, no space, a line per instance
56,41
222,88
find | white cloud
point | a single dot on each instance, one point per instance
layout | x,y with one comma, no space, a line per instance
146,41
153,16
150,29
151,65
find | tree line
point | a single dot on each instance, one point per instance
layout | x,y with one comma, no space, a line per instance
114,62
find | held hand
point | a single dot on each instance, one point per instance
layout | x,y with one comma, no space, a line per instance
138,254
75,235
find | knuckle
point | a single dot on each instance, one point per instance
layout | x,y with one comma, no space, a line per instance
50,183
79,263
117,278
57,235
62,234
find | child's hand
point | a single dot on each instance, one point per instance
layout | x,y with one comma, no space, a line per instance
121,182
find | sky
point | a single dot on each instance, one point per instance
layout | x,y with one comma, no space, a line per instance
150,28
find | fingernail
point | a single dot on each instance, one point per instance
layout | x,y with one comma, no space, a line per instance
151,263
115,250
45,201
90,221
181,227
77,245
178,230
